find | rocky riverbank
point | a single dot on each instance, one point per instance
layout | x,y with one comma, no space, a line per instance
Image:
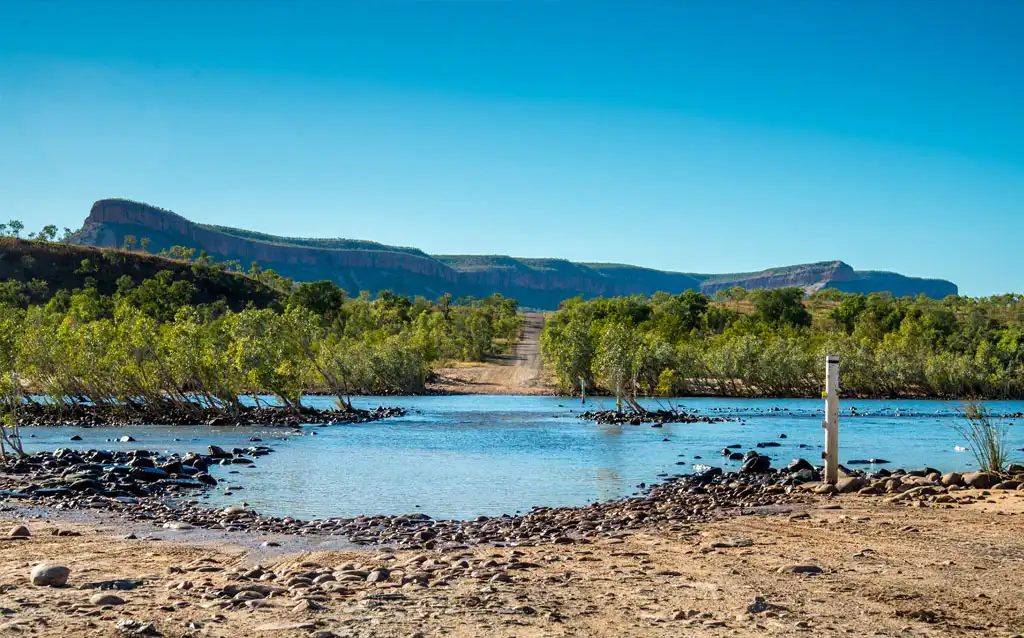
140,485
41,414
655,417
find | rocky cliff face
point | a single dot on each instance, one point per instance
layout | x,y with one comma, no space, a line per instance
810,276
119,213
534,282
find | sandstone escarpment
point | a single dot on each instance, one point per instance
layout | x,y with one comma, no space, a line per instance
539,283
281,257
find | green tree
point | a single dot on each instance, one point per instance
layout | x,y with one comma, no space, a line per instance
48,233
782,307
615,362
323,298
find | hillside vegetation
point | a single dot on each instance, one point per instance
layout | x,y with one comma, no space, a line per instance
35,271
773,343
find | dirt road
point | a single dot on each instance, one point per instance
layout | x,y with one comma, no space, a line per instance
882,570
519,372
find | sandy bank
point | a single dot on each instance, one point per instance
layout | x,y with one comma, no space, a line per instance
885,569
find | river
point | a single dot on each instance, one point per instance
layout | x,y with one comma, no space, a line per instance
465,456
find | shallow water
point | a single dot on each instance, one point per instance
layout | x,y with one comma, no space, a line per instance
465,456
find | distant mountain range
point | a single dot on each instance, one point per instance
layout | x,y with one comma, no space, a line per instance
537,283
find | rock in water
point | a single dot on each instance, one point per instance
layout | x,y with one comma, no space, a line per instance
217,452
19,531
50,575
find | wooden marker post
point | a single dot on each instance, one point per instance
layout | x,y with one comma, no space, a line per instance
831,422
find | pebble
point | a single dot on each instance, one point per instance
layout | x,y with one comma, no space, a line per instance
19,531
101,600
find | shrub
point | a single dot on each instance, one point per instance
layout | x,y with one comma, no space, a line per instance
986,437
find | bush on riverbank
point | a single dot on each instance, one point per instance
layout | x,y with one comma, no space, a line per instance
986,437
687,345
148,345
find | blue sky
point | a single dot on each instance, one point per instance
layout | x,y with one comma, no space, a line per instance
688,136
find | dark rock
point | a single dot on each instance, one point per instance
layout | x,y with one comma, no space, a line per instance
800,569
799,464
756,465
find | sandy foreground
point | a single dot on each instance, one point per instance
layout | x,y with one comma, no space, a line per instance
886,570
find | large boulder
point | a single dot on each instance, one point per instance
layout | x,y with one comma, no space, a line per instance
850,484
797,465
980,480
756,465
50,575
951,479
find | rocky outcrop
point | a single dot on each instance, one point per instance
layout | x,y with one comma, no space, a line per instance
280,256
802,276
539,283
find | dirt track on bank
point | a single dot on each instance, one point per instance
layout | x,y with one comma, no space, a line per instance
885,570
519,372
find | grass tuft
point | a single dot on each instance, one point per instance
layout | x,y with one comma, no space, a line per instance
986,437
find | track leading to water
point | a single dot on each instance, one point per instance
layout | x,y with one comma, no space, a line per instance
519,372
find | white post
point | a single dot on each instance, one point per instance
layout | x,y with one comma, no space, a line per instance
831,423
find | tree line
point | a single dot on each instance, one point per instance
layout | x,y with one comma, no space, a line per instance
771,343
149,344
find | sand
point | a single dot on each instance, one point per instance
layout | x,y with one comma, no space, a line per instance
521,372
885,570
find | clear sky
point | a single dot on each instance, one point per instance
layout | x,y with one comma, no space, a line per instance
690,136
